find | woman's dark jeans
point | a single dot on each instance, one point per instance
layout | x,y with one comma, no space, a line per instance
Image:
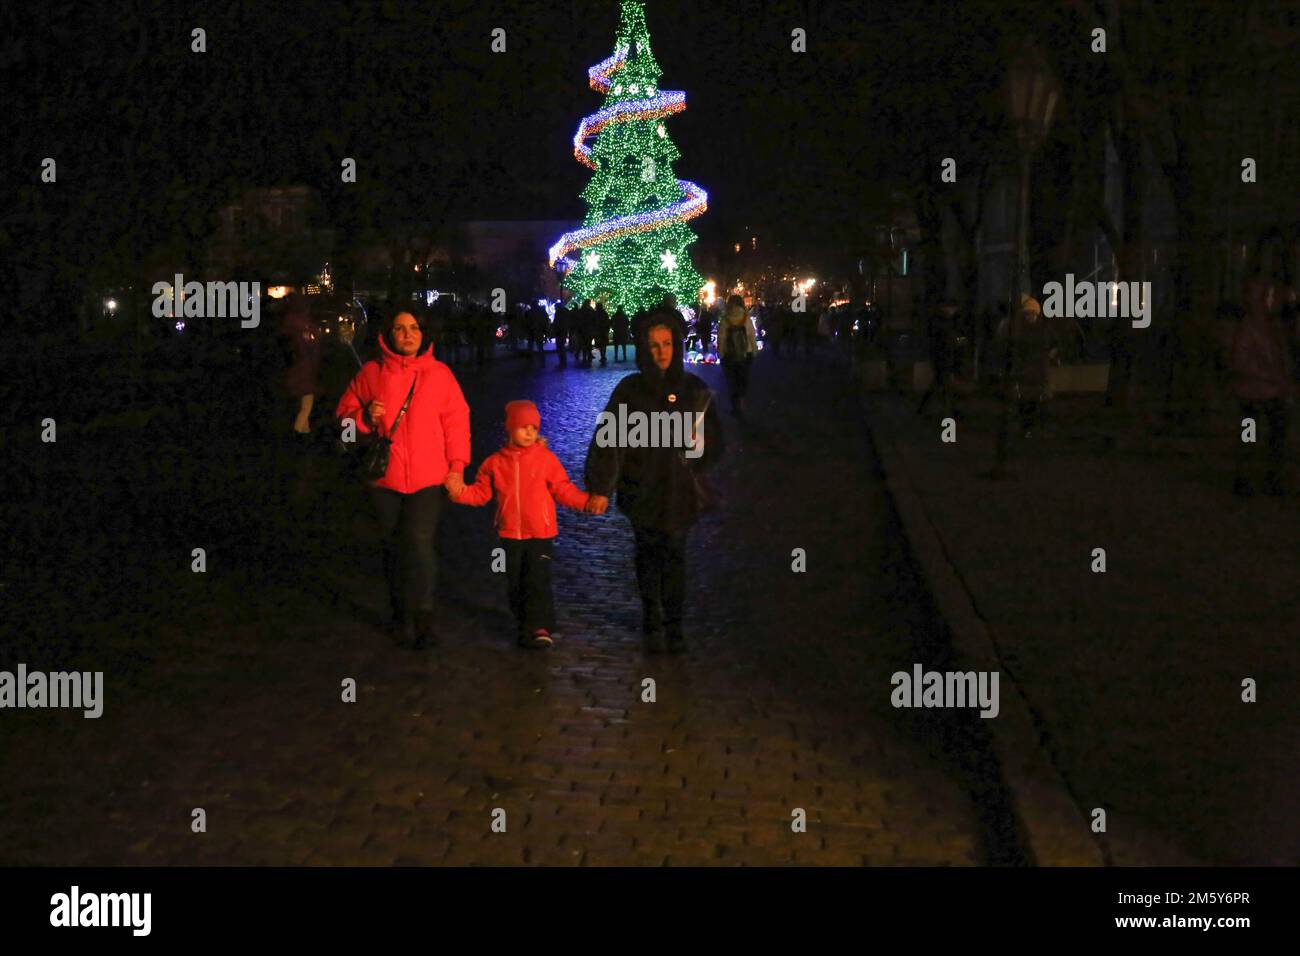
408,525
661,578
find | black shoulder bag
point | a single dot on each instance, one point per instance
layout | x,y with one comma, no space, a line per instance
375,465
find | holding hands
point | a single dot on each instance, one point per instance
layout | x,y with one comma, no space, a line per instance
596,505
455,484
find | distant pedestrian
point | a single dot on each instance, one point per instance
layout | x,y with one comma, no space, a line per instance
411,398
622,330
1263,382
940,332
638,329
514,329
560,327
537,332
704,330
303,350
527,479
586,329
601,331
484,333
806,331
737,345
1029,344
776,325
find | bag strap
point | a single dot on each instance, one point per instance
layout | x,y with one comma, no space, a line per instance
703,411
398,420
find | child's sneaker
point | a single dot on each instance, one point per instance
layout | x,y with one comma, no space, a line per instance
540,639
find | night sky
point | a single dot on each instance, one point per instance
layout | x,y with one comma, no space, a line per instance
151,138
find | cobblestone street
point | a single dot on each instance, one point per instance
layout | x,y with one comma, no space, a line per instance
229,699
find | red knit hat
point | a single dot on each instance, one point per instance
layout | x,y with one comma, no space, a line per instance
521,413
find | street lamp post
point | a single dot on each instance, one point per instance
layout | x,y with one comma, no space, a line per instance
1032,93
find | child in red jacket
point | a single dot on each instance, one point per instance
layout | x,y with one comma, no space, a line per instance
528,480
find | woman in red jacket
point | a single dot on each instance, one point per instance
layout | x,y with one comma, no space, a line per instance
528,480
430,450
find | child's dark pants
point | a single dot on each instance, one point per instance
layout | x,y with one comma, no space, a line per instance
528,583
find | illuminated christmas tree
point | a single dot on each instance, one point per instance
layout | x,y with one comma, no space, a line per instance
631,250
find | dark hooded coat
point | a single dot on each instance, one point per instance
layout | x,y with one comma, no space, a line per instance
655,486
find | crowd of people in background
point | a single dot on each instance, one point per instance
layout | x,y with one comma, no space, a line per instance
998,351
588,334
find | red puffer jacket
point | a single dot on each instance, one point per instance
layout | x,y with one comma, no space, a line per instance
433,438
528,482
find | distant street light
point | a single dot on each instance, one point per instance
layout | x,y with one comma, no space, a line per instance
1032,92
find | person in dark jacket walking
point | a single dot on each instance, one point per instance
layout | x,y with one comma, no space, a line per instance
622,329
704,329
657,487
638,331
940,331
302,378
537,332
589,322
602,331
1030,346
737,345
580,336
560,327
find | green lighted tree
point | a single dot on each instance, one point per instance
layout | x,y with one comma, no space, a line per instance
631,250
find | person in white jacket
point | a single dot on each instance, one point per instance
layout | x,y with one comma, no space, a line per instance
737,343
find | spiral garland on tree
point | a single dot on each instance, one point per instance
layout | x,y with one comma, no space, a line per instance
632,163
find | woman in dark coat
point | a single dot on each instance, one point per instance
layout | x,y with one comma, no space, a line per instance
656,486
